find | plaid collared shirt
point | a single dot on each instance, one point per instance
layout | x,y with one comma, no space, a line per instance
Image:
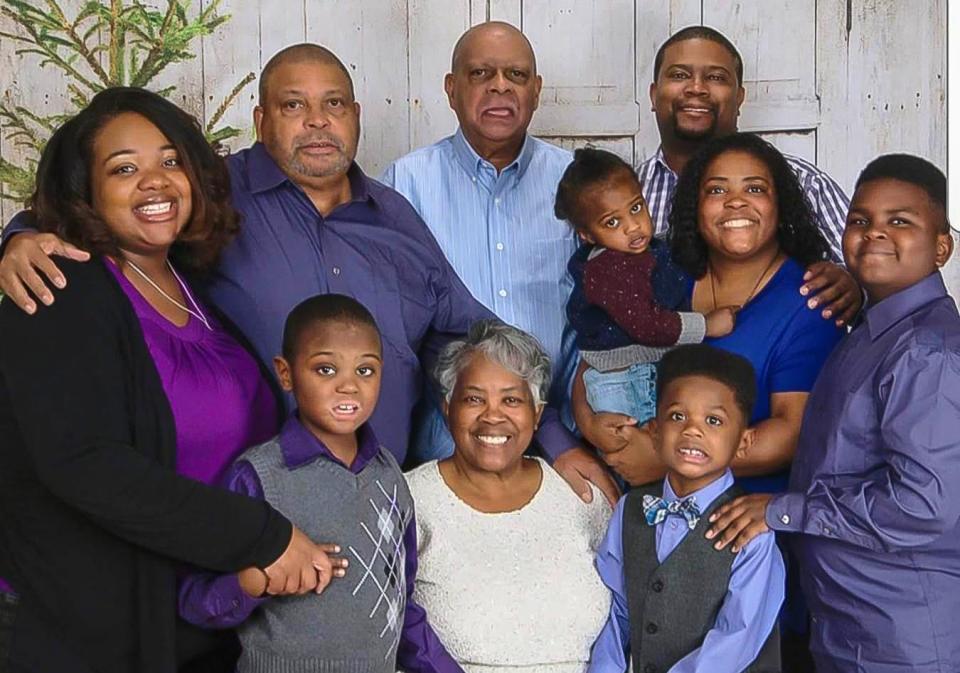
824,195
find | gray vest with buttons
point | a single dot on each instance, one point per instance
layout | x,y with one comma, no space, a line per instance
673,605
354,625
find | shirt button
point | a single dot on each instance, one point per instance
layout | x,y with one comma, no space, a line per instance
651,628
649,668
657,586
336,271
502,293
499,246
673,524
496,201
785,519
474,178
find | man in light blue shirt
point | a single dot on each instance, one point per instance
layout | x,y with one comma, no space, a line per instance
487,195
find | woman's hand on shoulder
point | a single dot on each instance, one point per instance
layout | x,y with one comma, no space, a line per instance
831,288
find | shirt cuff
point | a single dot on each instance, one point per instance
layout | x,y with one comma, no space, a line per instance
693,327
785,512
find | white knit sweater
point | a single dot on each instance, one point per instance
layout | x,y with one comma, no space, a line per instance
514,591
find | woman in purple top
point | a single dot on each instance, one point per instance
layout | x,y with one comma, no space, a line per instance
123,400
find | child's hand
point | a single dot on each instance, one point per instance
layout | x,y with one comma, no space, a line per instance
739,521
720,322
253,581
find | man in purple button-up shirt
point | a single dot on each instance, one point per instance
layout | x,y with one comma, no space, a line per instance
874,501
311,223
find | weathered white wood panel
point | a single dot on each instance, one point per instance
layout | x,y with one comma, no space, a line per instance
830,87
881,79
430,47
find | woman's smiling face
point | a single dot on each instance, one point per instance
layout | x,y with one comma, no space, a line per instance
492,416
138,185
738,214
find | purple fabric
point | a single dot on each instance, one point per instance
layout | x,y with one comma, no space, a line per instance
374,248
873,495
220,402
217,601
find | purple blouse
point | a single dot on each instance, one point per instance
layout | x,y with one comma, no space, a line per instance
221,404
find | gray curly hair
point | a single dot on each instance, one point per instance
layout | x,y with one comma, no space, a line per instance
511,348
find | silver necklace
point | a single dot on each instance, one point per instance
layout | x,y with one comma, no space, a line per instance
195,312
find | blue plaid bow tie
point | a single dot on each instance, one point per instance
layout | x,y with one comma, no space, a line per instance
656,510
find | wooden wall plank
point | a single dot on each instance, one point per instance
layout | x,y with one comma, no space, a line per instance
370,37
429,51
585,53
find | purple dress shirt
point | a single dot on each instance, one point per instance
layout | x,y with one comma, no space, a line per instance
217,601
873,491
748,613
374,248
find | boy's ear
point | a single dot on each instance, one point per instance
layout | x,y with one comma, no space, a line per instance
584,236
944,248
746,441
282,367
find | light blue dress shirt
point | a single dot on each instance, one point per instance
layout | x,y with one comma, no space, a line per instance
746,618
500,235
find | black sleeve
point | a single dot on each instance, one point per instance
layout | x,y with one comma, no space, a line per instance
68,374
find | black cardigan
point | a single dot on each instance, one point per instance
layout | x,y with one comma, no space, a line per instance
93,517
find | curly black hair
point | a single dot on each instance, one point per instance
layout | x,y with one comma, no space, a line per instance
730,369
797,231
63,202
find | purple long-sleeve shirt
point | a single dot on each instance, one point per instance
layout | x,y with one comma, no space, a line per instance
873,492
217,601
374,248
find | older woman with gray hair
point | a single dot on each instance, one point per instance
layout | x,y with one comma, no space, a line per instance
505,547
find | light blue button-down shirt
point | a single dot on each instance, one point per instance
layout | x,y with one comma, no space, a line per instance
499,232
746,618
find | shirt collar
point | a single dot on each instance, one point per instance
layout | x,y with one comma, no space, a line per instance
662,161
472,162
263,173
884,314
705,495
299,446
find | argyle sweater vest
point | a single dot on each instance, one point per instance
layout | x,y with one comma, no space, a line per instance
354,626
672,605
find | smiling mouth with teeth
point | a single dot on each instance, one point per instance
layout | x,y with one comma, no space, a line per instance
347,408
741,223
155,208
496,440
692,452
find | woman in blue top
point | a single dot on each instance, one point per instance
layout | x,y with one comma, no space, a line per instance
742,230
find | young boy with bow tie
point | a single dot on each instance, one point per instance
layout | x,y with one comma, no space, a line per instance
679,605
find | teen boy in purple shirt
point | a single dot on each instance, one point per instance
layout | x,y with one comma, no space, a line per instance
873,503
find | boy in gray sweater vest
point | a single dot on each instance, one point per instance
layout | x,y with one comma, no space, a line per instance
328,474
679,605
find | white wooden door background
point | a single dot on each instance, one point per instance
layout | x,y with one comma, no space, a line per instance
834,81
